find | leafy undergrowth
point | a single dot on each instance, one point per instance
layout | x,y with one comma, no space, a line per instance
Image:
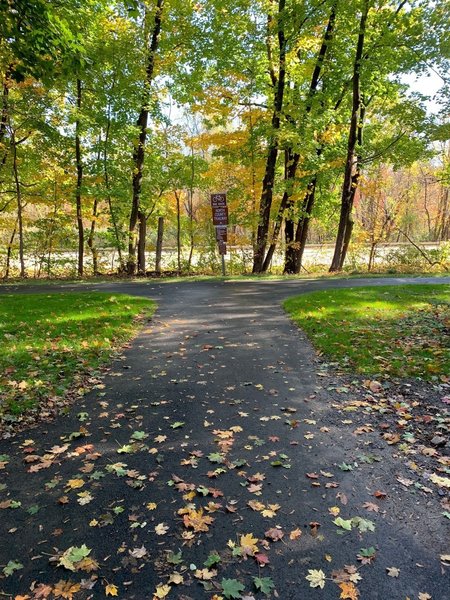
400,331
49,342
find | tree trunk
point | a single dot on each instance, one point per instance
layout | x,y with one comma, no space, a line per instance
292,259
108,190
177,197
52,228
159,245
190,210
301,234
9,251
290,167
91,238
4,115
79,183
269,175
139,149
142,242
19,207
352,172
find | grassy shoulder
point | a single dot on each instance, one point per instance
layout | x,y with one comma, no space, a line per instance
313,275
49,342
400,331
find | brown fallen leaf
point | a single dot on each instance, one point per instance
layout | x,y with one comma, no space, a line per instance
393,571
41,591
65,589
274,534
380,495
371,507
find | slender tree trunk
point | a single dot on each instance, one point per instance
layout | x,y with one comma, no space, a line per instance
4,149
142,242
108,190
159,245
253,194
19,207
78,199
291,164
177,197
9,251
91,238
351,173
191,210
52,228
191,231
301,233
139,149
279,82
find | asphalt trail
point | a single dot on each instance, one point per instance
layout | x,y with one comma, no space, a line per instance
219,401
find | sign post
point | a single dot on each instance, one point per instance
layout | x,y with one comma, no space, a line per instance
220,221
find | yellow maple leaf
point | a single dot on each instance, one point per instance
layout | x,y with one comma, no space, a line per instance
270,511
189,496
161,591
73,484
205,574
348,591
65,589
255,505
295,534
111,590
176,578
151,505
196,520
248,545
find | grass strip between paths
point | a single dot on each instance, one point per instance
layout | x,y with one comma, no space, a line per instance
49,342
400,331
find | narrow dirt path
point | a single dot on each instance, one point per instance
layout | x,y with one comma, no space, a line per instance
212,454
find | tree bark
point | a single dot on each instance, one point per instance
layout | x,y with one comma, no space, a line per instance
139,149
19,208
78,198
279,82
291,164
301,232
159,245
352,172
108,190
91,238
4,115
142,242
190,207
177,197
9,251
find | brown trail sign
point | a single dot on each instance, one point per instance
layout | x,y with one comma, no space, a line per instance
220,221
221,234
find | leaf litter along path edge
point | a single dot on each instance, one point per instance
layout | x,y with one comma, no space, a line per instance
212,465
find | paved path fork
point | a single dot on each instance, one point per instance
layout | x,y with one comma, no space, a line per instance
214,424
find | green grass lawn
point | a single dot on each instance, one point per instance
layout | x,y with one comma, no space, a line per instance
402,331
49,341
